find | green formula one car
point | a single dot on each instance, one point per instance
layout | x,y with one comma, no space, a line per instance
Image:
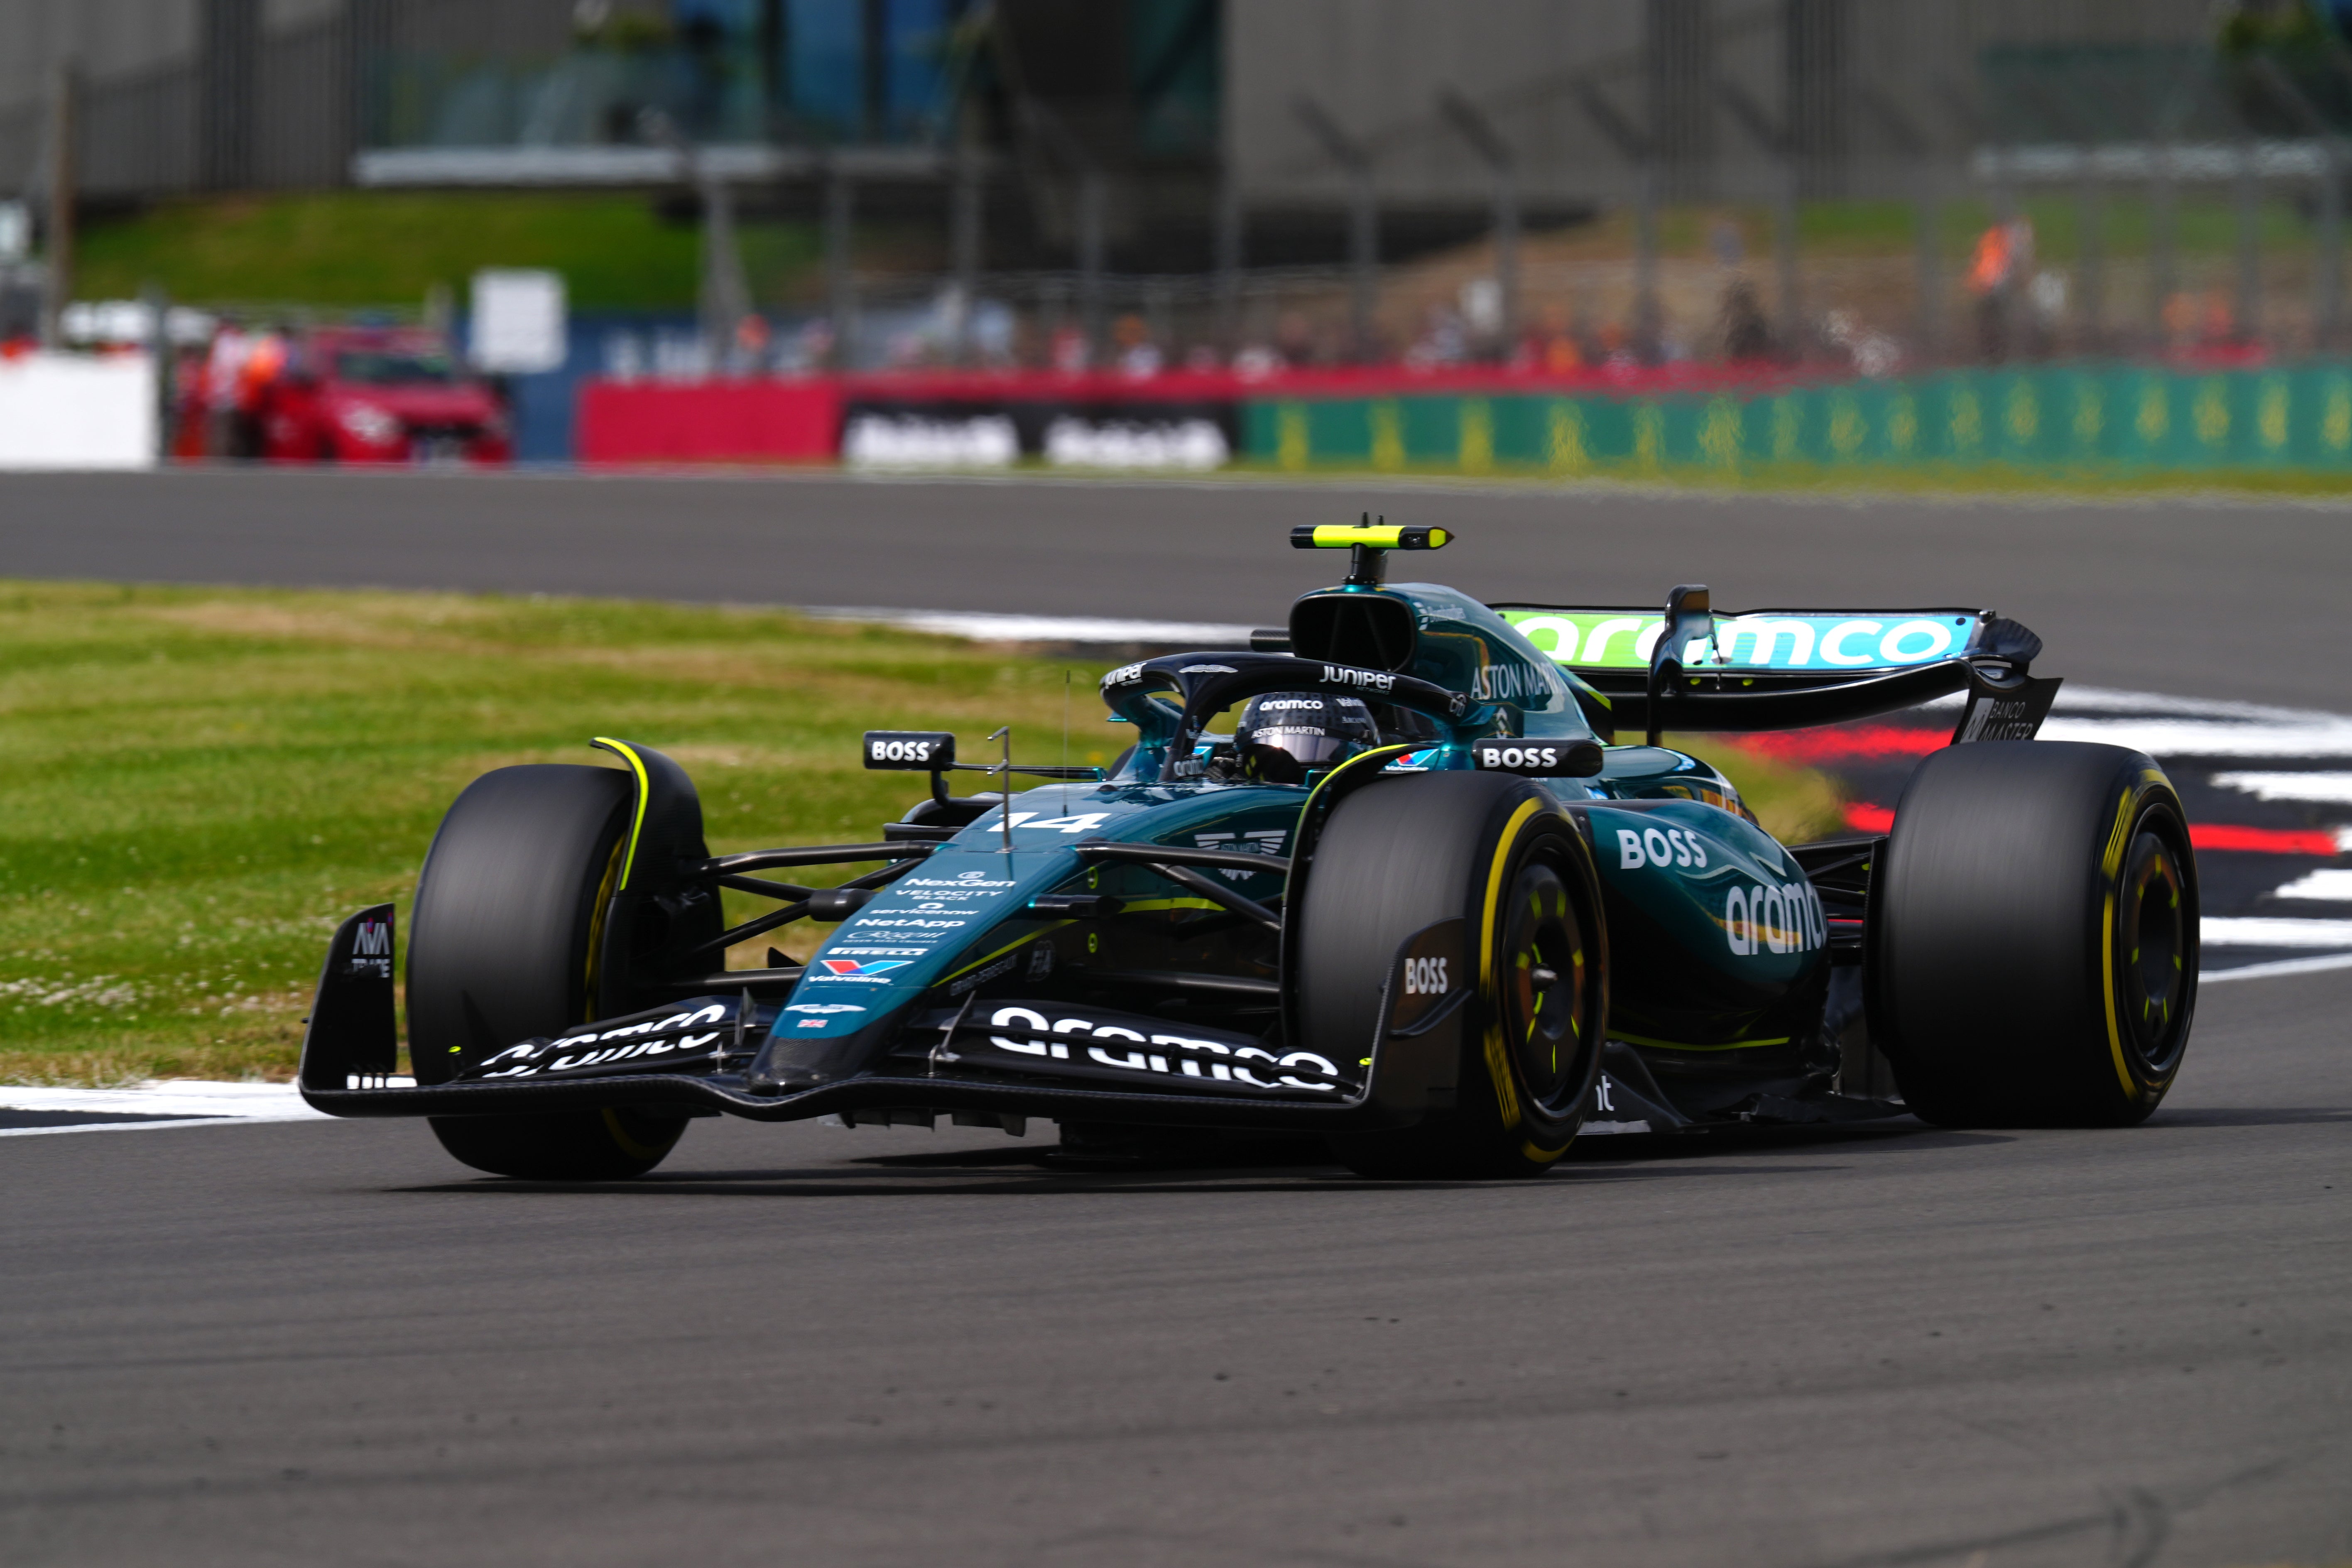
1418,901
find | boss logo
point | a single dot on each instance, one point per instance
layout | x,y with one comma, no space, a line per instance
923,750
1425,977
1659,846
1537,759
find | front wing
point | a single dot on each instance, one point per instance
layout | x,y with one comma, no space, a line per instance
701,1055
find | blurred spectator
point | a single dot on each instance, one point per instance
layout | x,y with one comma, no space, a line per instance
751,350
2220,320
1255,362
223,364
1293,340
1871,353
1071,354
2180,317
1481,315
1443,341
1139,358
1200,358
2004,253
1747,335
1552,347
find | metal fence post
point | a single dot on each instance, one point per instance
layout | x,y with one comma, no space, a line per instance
2161,278
964,244
2093,251
1928,217
2250,254
1229,261
58,241
1363,220
1502,168
1091,197
2328,281
840,287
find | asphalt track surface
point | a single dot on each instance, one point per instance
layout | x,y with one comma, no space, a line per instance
305,1342
2201,599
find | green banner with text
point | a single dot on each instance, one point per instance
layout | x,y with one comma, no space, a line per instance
2085,417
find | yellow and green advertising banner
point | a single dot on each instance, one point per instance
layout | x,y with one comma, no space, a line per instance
2087,417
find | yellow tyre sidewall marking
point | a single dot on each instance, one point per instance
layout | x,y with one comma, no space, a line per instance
1498,1065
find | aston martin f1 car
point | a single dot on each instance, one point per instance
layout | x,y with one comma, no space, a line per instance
1439,897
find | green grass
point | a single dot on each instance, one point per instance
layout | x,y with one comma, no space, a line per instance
199,783
359,247
196,785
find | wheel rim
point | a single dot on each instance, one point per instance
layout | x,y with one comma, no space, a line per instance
2152,951
1543,987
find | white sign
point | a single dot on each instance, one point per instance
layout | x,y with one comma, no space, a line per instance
517,323
77,411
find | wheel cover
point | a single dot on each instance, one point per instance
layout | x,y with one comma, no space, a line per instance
2152,951
1544,1020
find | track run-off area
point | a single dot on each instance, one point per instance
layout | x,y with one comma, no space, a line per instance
258,1337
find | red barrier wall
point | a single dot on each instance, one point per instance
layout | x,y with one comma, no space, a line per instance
799,420
709,421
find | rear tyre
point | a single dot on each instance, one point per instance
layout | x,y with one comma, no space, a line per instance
1400,855
2034,936
503,945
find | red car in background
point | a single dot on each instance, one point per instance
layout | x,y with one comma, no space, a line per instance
360,394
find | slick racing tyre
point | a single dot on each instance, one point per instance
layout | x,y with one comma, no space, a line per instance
2033,936
1402,853
502,948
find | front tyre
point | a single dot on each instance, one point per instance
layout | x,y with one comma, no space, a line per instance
502,948
2034,936
1402,853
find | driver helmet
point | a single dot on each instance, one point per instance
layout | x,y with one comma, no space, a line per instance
1285,735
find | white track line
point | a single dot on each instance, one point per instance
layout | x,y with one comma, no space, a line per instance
179,1102
2332,887
988,625
2322,789
2272,931
2283,966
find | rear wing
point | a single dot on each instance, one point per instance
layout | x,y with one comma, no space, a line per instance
1785,669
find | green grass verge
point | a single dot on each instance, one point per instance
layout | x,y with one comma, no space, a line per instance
361,247
196,785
